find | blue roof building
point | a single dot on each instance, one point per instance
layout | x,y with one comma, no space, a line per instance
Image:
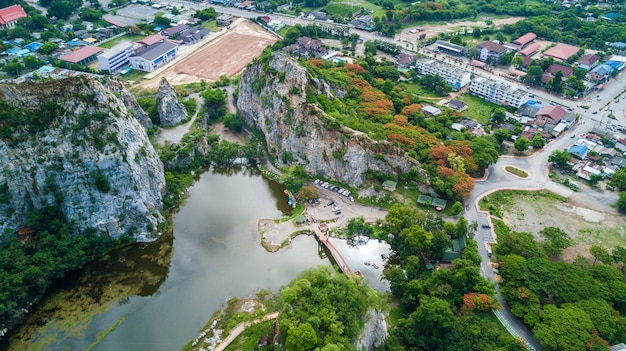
618,45
578,151
615,64
34,46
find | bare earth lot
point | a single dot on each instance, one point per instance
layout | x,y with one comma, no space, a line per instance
228,55
585,226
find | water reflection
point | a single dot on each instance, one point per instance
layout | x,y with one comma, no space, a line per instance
157,296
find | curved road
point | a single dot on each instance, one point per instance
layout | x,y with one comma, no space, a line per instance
497,178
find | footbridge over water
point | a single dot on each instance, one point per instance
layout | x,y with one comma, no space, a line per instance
321,233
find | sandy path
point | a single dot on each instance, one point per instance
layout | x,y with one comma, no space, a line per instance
274,235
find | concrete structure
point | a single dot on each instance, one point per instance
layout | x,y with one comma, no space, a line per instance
224,20
150,58
499,92
452,75
116,58
10,15
450,48
83,55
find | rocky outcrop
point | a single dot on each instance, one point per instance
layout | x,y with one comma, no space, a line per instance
272,99
73,143
130,102
171,111
374,332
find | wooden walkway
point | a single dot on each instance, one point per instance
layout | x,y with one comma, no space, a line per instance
323,238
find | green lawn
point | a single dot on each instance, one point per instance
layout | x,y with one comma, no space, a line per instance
128,37
377,10
477,108
134,75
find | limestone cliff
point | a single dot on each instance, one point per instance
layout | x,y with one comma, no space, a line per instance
73,143
272,99
171,111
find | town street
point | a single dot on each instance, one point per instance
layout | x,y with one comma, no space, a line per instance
498,179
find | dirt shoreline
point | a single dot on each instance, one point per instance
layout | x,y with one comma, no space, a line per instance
276,235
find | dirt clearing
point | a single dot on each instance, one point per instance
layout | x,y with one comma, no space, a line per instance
531,212
227,55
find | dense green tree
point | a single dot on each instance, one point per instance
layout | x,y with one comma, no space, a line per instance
517,61
161,21
538,141
619,179
498,115
600,254
429,324
556,240
506,58
61,9
214,102
533,75
207,14
400,217
302,338
618,255
484,151
563,329
556,83
13,67
521,144
560,158
31,61
47,48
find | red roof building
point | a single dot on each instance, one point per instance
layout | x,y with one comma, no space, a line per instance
10,15
525,39
562,51
83,55
550,114
151,39
588,61
530,49
555,67
114,22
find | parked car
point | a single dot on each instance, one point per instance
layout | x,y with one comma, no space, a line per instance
486,225
330,203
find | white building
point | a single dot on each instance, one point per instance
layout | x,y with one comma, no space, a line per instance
499,92
150,58
116,58
452,75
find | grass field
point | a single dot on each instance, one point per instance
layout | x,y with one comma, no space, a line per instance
532,211
477,108
127,37
516,171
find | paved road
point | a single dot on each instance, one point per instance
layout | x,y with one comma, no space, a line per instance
236,331
498,178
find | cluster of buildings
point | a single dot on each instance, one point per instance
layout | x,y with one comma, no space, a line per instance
528,49
146,54
592,157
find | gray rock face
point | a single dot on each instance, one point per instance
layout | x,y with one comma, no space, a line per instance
91,140
130,102
171,111
300,133
374,332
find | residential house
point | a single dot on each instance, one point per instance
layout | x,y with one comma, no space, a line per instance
525,39
431,110
224,20
362,22
10,15
600,73
404,60
316,15
499,92
174,32
275,24
457,105
588,61
490,51
83,55
116,58
553,69
452,75
151,57
550,114
193,35
307,47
